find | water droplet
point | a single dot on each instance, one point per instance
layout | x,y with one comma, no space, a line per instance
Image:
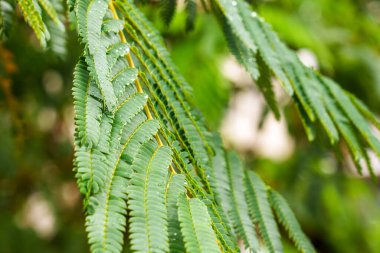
234,3
253,14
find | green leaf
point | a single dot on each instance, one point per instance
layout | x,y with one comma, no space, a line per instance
238,210
196,226
261,212
191,11
51,11
87,105
33,17
168,10
265,85
175,188
146,199
353,114
289,221
94,19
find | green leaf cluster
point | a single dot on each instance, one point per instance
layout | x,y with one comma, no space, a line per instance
144,157
144,153
45,17
318,99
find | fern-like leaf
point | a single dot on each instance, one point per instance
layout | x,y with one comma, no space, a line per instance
88,108
105,231
146,199
91,16
143,124
317,98
238,209
191,11
264,83
33,17
261,212
175,189
52,12
289,221
196,226
168,8
58,34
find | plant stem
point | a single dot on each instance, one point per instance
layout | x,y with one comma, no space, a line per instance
137,82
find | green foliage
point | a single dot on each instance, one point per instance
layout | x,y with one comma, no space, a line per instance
55,26
261,213
5,18
168,10
289,221
175,187
318,99
191,10
238,207
51,12
146,199
196,226
144,158
130,163
33,18
45,17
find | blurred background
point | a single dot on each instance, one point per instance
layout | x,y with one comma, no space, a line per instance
40,206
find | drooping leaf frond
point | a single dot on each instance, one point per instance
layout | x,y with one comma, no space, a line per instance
88,108
89,166
196,226
33,17
238,208
191,11
260,210
173,104
289,221
50,30
142,147
51,10
110,201
114,147
143,153
168,8
318,99
91,15
175,188
45,17
264,82
58,35
146,199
